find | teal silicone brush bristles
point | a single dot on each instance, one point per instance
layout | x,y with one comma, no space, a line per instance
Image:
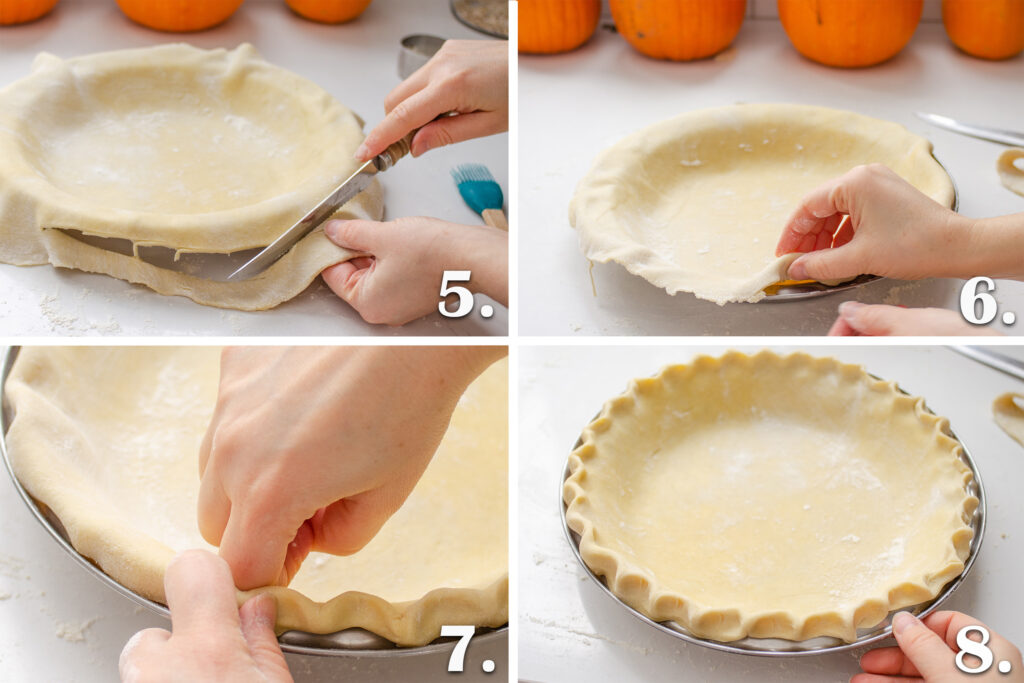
478,187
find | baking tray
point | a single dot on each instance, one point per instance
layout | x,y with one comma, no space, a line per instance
811,290
353,642
777,647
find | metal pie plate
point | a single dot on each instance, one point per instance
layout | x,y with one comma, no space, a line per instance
811,290
353,642
777,647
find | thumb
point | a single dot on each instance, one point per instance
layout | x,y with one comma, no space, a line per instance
827,264
257,617
923,647
354,235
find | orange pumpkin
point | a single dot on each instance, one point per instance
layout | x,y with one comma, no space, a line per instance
990,29
849,33
20,11
550,26
179,15
679,29
329,11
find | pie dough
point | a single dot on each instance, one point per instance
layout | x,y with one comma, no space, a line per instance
108,438
1011,176
1009,415
769,496
697,203
198,151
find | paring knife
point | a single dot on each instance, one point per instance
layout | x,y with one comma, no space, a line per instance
1003,137
356,183
993,359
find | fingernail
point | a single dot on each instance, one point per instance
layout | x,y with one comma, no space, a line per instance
797,270
263,610
901,621
332,228
363,152
848,309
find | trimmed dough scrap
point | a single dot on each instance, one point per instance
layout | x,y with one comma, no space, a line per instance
108,438
1010,174
1008,414
697,203
202,151
769,496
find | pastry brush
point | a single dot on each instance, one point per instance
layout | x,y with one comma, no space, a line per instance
481,192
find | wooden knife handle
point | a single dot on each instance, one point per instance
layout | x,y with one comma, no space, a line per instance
394,152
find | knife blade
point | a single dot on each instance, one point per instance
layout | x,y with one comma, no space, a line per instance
353,185
1003,137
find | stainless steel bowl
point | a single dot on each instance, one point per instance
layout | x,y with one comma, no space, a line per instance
775,647
353,642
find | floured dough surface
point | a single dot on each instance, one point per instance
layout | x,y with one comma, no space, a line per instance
1009,415
199,151
1011,170
766,496
697,203
109,438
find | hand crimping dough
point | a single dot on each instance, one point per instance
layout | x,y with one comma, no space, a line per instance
108,438
1009,415
697,203
199,151
1011,176
772,497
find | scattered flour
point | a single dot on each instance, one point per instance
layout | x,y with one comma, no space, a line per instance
73,632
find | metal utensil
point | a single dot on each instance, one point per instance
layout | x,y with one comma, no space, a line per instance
993,359
352,642
1003,137
775,647
353,185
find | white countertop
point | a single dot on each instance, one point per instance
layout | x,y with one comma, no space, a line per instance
357,63
573,105
570,630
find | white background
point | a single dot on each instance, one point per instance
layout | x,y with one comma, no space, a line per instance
357,63
573,105
570,630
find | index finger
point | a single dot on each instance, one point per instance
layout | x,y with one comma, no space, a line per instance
414,112
816,208
200,592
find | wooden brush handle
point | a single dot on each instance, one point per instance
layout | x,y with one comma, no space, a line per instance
495,218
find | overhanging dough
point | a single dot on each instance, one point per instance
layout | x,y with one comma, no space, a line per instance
108,438
772,497
200,151
697,203
1008,414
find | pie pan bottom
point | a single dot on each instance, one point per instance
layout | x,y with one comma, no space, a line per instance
820,645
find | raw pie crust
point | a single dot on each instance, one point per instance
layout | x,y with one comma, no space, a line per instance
198,151
108,438
697,203
769,496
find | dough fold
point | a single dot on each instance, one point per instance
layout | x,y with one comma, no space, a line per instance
200,151
108,440
1011,176
697,203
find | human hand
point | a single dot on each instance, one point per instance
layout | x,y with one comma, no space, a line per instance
468,77
927,651
213,639
400,280
857,319
892,230
314,448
